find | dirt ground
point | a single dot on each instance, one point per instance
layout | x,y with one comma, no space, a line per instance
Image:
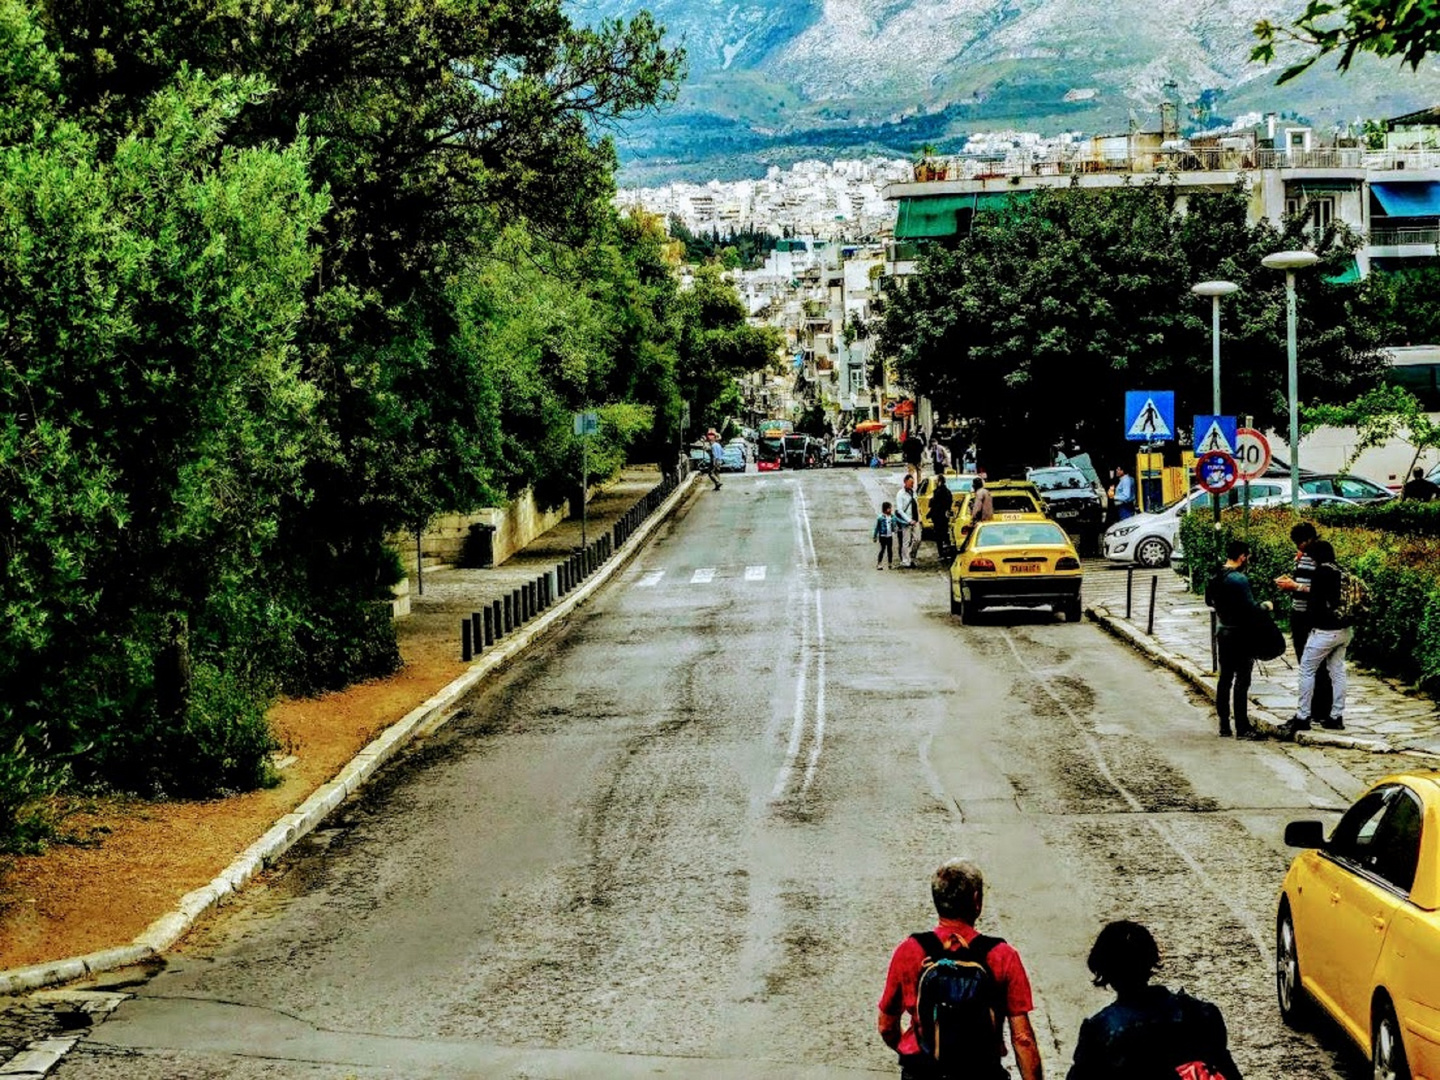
140,857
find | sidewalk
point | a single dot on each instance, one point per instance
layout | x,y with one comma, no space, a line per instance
1381,715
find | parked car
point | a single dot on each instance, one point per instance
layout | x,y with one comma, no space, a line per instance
822,452
1072,500
959,485
1149,539
1012,500
1347,486
844,452
1357,932
699,454
734,460
1026,562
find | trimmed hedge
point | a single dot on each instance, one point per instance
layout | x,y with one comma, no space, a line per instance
1404,516
1400,633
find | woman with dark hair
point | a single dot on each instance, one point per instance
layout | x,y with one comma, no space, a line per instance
1148,1031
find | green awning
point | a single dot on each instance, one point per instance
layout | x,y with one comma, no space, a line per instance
926,217
930,216
1350,274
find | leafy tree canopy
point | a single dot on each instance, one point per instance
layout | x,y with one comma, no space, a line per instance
1033,327
1386,28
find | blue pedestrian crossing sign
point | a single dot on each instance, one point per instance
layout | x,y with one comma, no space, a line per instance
1216,434
1149,415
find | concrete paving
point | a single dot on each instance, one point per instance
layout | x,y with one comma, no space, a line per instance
1380,713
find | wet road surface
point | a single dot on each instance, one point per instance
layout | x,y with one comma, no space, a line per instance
683,836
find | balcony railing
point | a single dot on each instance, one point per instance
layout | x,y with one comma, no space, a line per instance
1193,159
1402,236
1385,160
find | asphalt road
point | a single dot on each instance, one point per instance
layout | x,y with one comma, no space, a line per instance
683,836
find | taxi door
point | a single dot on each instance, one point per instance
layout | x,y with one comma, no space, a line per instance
1363,902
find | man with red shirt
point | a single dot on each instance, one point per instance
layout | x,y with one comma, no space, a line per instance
958,889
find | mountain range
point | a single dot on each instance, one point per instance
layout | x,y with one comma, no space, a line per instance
773,81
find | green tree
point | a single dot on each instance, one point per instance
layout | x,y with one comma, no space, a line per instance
1035,325
716,344
1385,28
1379,416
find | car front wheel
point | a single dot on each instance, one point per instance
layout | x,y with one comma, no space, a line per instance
1387,1052
1152,553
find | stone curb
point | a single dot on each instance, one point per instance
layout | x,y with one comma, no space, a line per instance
1202,680
293,826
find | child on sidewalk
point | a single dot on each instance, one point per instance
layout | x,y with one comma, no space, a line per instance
886,525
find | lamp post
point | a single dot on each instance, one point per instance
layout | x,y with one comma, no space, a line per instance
1290,261
1215,290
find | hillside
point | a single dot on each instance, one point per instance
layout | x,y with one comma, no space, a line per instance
772,81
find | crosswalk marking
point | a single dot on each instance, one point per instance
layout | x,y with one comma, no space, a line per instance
754,573
703,576
650,580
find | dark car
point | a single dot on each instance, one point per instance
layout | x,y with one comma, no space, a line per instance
1072,500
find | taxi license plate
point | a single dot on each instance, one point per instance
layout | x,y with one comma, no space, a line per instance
1026,568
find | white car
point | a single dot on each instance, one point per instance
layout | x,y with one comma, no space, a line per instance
1149,539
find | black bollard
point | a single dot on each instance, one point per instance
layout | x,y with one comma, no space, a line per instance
1129,588
489,626
562,581
522,602
509,612
465,640
519,607
477,631
496,609
1150,620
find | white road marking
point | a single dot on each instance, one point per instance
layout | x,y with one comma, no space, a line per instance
650,580
817,740
703,576
797,725
812,648
754,573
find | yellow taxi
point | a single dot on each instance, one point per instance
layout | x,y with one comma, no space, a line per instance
959,485
1358,930
1012,500
1024,561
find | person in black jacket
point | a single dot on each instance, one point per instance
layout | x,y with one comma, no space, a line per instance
1325,647
1235,607
1149,1031
942,500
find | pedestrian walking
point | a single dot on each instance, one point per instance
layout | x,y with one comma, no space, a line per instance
907,537
884,534
1123,493
914,453
982,503
942,500
958,987
1330,613
939,457
1419,488
1148,1031
1229,593
1297,583
717,457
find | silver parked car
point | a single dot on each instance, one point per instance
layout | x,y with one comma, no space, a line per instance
1149,539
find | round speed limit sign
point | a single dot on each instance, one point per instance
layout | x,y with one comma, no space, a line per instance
1252,453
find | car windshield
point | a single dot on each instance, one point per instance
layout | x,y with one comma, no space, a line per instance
1014,504
842,447
1019,533
1058,479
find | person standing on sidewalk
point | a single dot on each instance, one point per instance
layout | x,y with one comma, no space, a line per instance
1235,607
1326,644
907,536
1124,493
1297,584
884,535
989,988
914,453
717,457
942,500
939,457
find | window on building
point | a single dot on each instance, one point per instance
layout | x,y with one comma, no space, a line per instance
1321,213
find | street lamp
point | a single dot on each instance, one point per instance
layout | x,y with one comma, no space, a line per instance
1290,261
1215,290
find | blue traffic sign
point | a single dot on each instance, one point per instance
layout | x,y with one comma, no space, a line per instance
1216,433
1149,415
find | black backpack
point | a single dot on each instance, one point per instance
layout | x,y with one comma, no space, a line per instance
958,1008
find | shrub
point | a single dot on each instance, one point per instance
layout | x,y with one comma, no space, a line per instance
1403,516
1400,633
28,774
